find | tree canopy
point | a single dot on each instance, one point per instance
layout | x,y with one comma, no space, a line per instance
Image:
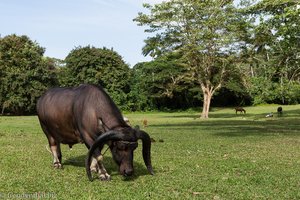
211,52
270,57
97,66
161,84
24,74
203,31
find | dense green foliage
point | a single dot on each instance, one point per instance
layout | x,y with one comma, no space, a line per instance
24,74
228,156
202,31
210,52
255,41
98,66
271,52
161,84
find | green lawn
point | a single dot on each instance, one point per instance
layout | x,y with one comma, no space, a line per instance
227,156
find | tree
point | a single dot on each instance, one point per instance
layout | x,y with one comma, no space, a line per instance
272,51
203,31
24,74
161,84
98,66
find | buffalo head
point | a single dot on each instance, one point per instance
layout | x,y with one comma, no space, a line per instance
122,143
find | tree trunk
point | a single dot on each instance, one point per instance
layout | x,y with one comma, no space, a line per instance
207,94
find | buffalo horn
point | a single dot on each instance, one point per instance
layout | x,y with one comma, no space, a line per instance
146,149
99,143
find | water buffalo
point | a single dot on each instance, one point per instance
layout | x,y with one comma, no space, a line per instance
86,114
279,111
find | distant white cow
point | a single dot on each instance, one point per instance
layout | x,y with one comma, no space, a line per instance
126,120
269,115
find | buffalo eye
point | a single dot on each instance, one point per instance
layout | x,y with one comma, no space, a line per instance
126,145
121,146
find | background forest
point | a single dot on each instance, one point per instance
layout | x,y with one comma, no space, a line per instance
204,53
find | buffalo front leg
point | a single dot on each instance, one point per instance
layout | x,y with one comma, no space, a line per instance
94,165
98,167
103,175
97,160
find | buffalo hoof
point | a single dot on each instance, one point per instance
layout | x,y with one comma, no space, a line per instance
104,177
57,165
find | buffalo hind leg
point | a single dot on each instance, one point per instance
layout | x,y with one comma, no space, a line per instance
56,152
54,147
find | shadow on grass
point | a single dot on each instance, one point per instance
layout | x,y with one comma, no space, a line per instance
217,115
212,114
110,166
272,127
239,128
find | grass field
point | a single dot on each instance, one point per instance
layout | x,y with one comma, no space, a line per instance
227,156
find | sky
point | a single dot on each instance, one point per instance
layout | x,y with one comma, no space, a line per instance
62,25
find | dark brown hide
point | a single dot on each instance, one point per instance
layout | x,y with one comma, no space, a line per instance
72,115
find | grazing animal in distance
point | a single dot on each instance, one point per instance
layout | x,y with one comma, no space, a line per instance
240,109
279,111
145,122
86,114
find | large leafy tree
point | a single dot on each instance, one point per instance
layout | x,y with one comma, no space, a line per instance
203,31
272,51
24,74
97,66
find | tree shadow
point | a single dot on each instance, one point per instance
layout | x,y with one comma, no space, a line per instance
192,116
267,127
216,115
285,113
110,166
285,124
233,114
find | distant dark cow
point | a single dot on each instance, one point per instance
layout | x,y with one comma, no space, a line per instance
86,114
240,109
279,110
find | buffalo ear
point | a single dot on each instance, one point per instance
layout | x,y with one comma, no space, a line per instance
146,149
99,143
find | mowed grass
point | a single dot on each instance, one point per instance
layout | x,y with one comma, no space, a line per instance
227,156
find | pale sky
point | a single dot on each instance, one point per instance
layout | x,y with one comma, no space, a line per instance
61,25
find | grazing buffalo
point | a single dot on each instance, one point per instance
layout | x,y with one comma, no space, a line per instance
86,114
